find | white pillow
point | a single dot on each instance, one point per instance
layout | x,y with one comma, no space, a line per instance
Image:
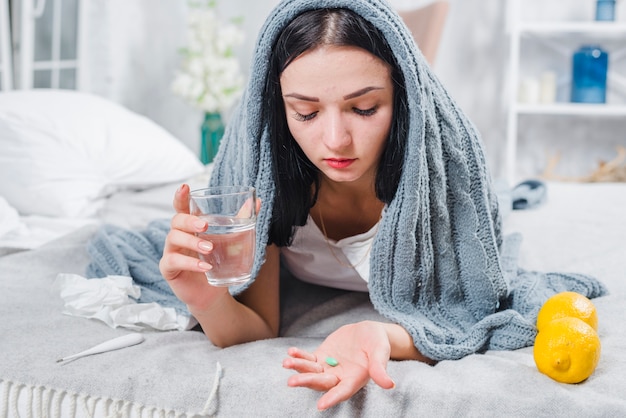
62,152
9,219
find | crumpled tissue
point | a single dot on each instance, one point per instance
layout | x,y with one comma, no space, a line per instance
111,300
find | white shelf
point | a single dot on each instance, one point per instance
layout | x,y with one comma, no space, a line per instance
572,109
559,35
587,28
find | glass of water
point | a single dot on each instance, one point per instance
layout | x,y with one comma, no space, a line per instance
230,212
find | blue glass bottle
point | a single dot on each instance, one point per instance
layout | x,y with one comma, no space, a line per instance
605,10
589,68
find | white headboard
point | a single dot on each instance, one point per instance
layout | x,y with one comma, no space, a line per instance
46,39
6,62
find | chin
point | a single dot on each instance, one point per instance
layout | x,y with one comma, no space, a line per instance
342,177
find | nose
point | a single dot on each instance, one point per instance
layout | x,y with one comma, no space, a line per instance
336,131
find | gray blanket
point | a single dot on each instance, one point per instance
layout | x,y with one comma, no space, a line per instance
118,251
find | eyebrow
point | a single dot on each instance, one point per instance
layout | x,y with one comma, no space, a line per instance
361,92
357,93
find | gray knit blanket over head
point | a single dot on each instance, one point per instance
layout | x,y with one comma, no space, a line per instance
436,266
439,264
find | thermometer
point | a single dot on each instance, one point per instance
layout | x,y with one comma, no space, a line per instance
114,344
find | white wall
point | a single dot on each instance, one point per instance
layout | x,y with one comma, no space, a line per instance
136,46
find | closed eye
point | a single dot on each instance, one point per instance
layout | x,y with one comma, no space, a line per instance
366,112
303,118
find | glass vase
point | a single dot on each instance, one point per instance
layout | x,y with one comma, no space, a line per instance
212,130
589,71
605,10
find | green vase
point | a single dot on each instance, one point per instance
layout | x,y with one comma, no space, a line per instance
212,131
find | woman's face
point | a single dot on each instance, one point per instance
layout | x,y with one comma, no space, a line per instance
339,104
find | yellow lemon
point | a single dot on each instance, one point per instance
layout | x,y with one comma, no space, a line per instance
567,304
567,350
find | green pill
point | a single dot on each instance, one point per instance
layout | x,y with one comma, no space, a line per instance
332,362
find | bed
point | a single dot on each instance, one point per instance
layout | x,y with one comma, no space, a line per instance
57,191
71,163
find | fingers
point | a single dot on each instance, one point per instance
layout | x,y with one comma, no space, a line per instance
379,375
249,209
298,353
345,388
188,223
182,235
317,381
302,366
302,361
337,390
180,254
311,373
340,392
181,199
182,246
378,369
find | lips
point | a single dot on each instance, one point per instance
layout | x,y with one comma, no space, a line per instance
339,162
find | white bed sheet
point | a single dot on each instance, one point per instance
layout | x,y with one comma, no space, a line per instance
580,228
129,208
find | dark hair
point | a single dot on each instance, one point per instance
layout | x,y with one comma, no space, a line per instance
293,172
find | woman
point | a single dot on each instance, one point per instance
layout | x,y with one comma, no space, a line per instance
371,179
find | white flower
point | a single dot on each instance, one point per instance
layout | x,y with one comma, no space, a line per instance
210,76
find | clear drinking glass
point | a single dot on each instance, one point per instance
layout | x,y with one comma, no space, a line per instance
230,212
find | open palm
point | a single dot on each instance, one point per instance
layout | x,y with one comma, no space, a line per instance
362,351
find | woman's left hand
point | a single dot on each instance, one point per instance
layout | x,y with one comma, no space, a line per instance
361,350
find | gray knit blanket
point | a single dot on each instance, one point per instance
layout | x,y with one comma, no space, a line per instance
117,251
439,264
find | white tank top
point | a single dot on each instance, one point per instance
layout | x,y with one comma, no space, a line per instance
309,258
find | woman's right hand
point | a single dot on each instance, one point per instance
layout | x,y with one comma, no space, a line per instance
180,264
